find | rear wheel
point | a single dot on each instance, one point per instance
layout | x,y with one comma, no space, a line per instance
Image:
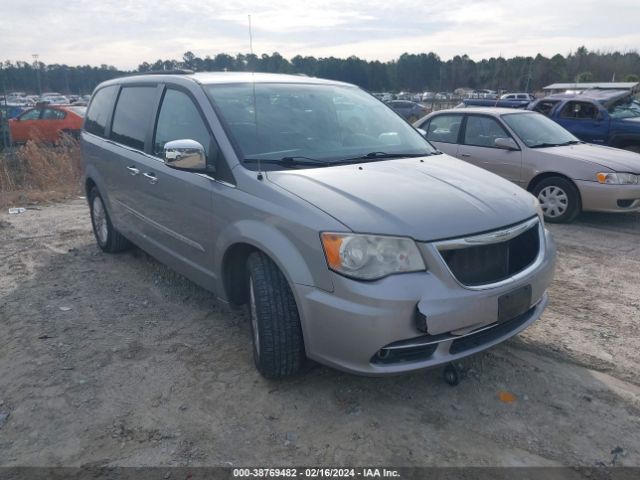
559,199
107,237
278,347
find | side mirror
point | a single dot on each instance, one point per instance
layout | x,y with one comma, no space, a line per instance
185,155
422,132
600,117
506,143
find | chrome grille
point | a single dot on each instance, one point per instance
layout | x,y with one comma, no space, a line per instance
492,257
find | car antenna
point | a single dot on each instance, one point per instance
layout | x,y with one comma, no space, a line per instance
253,86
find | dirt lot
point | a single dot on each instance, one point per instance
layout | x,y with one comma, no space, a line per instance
115,360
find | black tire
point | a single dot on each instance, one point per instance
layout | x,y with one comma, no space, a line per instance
278,346
113,241
560,211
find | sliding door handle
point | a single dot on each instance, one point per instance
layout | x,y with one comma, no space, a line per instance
151,177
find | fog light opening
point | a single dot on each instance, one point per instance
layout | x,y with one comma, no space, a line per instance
383,354
420,320
625,203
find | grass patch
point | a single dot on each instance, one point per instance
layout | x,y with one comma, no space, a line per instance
40,172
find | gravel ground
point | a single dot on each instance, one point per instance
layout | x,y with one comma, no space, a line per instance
115,360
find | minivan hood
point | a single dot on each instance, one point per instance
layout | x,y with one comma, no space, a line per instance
440,198
614,158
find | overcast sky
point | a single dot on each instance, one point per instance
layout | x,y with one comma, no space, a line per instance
127,32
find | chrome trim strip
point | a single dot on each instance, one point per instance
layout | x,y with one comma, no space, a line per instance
162,228
486,238
221,182
457,337
542,243
156,159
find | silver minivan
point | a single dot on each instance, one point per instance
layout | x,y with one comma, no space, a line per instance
351,239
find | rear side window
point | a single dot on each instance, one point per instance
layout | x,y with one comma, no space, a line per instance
444,128
545,106
133,112
53,114
99,110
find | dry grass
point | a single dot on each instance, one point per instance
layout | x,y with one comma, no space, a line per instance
38,172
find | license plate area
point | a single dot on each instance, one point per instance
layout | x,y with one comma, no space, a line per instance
514,303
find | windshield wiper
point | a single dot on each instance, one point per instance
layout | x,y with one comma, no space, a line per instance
563,144
367,157
288,161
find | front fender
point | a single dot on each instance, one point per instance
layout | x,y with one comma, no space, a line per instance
301,262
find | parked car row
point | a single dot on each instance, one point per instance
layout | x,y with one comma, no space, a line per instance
21,99
416,97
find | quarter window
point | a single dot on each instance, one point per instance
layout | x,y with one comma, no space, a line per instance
483,131
179,119
444,128
99,110
131,118
544,107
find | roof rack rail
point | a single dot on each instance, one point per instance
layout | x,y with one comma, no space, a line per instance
178,71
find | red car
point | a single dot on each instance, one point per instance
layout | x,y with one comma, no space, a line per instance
46,123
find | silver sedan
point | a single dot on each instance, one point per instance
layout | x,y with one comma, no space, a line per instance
567,175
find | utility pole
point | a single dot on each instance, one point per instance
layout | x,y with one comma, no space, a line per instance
37,66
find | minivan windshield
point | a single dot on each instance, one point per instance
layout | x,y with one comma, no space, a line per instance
538,131
290,125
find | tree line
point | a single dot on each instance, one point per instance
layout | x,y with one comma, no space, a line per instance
410,72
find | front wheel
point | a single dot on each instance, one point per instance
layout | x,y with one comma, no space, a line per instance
559,199
278,347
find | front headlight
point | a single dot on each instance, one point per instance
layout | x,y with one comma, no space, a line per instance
617,178
369,257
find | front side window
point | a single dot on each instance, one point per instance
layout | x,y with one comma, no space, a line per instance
99,110
31,115
132,115
482,131
323,123
179,119
579,111
444,128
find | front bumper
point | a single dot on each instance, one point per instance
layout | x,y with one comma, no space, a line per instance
348,328
597,197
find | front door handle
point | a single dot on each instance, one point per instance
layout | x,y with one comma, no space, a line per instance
151,177
465,154
133,170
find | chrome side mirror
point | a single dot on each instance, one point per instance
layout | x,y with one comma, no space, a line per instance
422,131
506,143
185,154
